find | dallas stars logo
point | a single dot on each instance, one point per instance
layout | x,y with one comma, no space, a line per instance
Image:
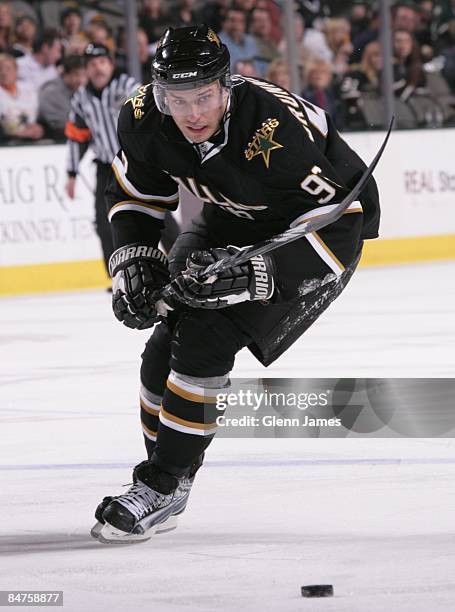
263,143
213,37
137,101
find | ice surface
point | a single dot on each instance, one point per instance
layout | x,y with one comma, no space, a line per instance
373,517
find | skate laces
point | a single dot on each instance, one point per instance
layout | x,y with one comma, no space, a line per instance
141,499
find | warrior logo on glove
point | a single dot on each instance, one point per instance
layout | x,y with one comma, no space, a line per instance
252,280
138,272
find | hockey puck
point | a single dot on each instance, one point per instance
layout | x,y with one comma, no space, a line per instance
317,590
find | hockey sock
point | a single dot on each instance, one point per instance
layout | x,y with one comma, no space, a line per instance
150,410
187,420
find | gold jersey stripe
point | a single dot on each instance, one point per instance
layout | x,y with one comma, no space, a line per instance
330,253
193,397
180,421
149,431
148,409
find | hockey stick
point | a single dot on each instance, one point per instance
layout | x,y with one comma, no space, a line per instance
288,236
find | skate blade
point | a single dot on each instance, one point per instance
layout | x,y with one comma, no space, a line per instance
169,525
112,535
96,530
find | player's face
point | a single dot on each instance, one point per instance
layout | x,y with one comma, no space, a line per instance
198,112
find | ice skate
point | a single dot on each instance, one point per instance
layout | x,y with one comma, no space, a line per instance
168,525
128,518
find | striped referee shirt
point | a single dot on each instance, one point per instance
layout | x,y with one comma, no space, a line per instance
92,121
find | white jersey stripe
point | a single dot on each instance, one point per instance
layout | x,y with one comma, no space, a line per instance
151,211
195,389
184,429
325,253
131,190
323,210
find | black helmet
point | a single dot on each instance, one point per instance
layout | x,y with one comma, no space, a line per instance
189,55
93,50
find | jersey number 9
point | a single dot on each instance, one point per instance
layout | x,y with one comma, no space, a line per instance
317,186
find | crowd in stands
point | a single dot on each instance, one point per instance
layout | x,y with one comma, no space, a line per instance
339,55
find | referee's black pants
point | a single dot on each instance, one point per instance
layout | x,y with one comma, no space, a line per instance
104,173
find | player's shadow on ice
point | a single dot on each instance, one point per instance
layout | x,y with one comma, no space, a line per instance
34,542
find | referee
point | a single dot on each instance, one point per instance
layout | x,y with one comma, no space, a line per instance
92,123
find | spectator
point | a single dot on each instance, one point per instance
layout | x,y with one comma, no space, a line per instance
18,103
405,16
244,5
184,14
417,20
445,26
318,86
25,31
76,44
314,12
427,96
70,22
449,67
99,33
40,66
338,36
214,13
261,29
6,27
145,57
363,38
361,82
245,68
445,11
273,9
241,45
442,109
278,73
55,96
409,72
362,105
310,42
153,19
445,15
74,39
448,56
359,17
426,29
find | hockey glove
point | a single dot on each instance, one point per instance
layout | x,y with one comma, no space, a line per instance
138,272
252,280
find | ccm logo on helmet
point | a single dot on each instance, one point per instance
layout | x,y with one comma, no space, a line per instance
184,75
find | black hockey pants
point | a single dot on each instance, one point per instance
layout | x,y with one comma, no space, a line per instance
203,344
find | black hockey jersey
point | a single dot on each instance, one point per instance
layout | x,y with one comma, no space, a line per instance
277,162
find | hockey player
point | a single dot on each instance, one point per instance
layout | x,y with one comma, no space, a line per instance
262,160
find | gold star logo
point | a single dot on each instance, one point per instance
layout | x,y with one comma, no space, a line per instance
264,145
213,37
